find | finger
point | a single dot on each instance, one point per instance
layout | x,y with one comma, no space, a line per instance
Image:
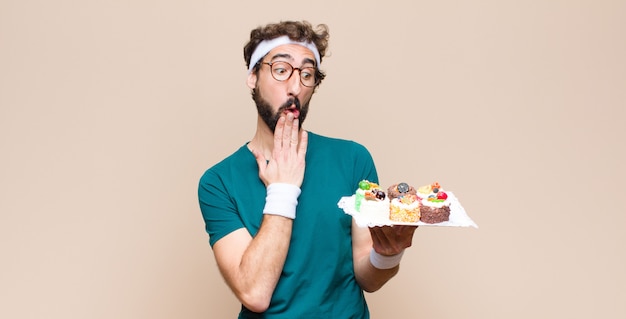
286,133
406,230
404,235
374,235
278,132
380,242
302,147
295,128
410,234
393,240
389,231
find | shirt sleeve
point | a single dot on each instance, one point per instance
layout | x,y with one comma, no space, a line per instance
217,207
364,165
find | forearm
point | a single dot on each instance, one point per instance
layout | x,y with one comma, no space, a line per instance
390,243
371,278
254,275
263,260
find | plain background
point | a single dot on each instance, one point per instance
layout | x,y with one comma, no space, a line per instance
111,110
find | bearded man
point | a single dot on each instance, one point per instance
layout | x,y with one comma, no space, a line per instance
280,241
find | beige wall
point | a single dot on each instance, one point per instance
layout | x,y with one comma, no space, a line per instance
111,110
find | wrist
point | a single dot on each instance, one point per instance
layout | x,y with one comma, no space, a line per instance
385,262
281,200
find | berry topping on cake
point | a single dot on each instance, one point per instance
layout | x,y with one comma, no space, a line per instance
432,193
400,189
435,186
371,191
364,185
369,198
380,194
403,187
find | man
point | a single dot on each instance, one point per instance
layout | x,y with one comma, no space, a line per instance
280,241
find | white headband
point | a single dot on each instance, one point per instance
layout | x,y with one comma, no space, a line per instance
267,45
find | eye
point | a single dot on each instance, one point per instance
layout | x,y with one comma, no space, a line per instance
307,74
280,70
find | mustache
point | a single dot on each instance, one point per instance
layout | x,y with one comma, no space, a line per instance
292,101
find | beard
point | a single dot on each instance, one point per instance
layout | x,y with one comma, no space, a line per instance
271,118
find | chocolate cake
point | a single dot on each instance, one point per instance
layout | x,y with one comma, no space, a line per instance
434,204
433,215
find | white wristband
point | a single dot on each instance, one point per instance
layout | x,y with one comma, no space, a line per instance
384,262
282,200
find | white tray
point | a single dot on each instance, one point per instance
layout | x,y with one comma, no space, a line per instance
458,216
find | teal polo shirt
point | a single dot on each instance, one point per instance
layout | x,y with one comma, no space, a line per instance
318,279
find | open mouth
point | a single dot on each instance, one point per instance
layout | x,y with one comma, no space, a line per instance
293,106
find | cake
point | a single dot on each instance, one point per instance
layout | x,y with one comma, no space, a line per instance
404,205
371,201
434,204
401,203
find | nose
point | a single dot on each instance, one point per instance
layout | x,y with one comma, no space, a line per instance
294,84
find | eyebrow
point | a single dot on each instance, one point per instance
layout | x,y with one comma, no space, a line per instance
288,56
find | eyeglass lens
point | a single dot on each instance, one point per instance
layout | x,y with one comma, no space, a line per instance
281,71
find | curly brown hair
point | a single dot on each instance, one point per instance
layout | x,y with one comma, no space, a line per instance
301,31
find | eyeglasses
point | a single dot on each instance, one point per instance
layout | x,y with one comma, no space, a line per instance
282,71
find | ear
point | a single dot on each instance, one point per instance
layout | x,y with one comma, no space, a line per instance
251,80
